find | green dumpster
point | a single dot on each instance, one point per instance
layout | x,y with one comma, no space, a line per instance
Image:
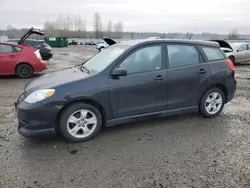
65,42
56,41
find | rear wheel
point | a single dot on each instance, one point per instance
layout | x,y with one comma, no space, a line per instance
24,71
80,122
101,48
212,103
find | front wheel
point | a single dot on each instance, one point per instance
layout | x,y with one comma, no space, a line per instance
80,122
212,103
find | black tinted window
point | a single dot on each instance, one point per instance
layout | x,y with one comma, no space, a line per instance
213,54
5,48
182,55
143,60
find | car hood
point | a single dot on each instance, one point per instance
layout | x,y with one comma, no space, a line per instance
223,44
109,41
55,79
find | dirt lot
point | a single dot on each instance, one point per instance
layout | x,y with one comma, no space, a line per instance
180,151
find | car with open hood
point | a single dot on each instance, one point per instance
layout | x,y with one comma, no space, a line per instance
19,59
126,82
107,42
44,49
236,52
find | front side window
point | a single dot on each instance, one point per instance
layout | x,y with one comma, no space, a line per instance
243,47
182,55
143,60
213,54
5,48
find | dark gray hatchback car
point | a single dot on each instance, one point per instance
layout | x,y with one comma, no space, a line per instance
128,81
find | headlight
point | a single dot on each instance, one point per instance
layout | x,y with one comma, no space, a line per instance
39,95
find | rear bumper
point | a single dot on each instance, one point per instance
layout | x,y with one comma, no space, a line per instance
231,88
41,66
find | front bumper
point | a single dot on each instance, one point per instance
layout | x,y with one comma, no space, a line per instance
36,119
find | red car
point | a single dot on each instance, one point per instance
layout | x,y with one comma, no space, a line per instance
21,60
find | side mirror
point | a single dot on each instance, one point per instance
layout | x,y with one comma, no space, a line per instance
239,50
119,72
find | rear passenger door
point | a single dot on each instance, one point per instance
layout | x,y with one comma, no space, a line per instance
187,76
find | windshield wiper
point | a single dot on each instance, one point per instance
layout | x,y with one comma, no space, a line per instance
84,68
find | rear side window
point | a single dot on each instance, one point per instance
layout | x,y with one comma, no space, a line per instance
213,54
182,55
6,48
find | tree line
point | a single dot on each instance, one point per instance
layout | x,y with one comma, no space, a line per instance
75,27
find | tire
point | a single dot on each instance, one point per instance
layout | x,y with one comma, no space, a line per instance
215,103
77,122
101,48
24,71
232,59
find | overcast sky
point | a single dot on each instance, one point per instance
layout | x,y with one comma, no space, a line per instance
220,16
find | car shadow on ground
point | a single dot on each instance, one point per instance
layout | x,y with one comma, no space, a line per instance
242,64
139,126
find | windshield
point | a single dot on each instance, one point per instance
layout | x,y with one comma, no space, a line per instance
103,59
234,45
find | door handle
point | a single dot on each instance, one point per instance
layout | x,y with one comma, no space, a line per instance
202,71
12,56
159,77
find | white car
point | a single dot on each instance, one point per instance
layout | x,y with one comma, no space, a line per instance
101,46
107,42
237,52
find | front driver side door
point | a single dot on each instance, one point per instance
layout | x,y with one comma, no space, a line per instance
241,53
143,90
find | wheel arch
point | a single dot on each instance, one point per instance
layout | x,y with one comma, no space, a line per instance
82,100
232,57
219,86
23,63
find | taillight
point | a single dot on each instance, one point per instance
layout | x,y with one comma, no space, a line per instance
38,55
230,64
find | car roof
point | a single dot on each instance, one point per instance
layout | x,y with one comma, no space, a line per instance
183,41
11,43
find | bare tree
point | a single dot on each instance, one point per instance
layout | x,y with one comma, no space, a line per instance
109,28
97,25
118,29
50,28
233,35
12,32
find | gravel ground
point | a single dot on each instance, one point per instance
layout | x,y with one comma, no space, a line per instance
179,151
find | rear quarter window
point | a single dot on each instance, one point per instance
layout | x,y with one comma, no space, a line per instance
213,54
18,49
